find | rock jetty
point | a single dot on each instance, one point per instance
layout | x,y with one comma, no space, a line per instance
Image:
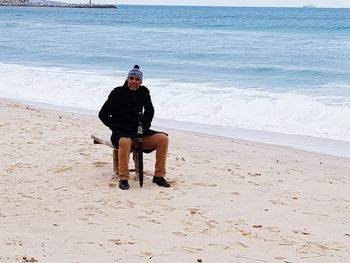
42,3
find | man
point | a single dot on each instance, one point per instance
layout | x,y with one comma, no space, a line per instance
120,114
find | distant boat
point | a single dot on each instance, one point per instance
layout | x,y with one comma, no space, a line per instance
309,6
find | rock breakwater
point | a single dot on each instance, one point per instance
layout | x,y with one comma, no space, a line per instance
51,4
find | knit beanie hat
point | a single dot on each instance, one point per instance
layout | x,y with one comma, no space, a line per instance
136,72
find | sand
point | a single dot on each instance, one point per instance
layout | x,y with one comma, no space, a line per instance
230,200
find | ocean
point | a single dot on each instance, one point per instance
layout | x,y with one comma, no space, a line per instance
218,70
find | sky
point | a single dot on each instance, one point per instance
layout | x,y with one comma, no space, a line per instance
277,3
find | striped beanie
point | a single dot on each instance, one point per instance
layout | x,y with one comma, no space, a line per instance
136,72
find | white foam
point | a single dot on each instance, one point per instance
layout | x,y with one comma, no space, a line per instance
201,103
57,86
252,109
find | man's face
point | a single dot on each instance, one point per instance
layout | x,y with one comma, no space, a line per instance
134,82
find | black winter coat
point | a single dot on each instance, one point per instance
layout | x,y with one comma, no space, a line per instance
120,112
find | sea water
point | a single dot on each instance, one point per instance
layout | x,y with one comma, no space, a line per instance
280,71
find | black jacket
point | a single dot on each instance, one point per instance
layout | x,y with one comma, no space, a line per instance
120,112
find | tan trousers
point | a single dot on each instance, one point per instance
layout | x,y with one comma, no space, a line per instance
159,141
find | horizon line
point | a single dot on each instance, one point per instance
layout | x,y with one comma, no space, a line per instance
302,6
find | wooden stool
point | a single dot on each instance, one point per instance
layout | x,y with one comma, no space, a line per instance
106,141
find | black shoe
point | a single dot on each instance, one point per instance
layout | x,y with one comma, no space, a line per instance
124,184
160,181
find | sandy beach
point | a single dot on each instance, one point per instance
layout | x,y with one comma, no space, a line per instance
230,200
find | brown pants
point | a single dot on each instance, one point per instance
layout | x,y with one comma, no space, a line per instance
159,141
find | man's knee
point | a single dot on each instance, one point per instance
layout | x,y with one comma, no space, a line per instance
163,139
124,142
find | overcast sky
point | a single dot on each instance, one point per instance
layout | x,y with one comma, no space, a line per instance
281,3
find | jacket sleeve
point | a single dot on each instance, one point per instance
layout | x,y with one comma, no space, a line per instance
105,113
149,111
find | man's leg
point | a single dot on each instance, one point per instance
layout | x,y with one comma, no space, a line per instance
123,156
159,141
